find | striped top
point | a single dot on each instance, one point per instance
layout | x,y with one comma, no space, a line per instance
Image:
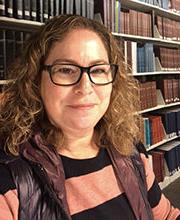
92,192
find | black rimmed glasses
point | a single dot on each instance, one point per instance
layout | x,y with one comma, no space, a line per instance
70,74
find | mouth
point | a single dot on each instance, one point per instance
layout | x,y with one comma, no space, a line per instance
83,106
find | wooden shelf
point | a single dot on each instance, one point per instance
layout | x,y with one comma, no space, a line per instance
159,107
155,41
19,24
148,8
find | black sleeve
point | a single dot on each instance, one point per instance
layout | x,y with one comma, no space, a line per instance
141,148
6,180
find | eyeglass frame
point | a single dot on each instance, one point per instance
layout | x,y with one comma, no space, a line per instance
48,68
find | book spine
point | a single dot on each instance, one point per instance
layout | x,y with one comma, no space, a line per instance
26,9
2,8
33,13
9,8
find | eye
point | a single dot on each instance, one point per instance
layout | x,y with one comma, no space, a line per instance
100,70
64,69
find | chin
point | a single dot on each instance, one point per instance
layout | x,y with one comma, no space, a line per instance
84,124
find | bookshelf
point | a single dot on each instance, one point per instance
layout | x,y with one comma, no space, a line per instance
157,74
153,37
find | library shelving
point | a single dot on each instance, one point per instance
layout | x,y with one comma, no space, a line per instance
112,15
156,73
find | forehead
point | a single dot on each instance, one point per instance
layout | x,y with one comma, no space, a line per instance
80,35
78,43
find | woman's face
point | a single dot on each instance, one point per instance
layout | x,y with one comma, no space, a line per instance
78,107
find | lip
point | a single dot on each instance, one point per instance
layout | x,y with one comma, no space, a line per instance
83,106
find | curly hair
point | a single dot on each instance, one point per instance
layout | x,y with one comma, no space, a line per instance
21,104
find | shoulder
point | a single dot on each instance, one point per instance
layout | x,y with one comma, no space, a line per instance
6,180
9,202
12,169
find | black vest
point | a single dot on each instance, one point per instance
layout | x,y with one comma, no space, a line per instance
38,201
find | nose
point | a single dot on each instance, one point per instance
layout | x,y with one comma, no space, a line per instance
84,86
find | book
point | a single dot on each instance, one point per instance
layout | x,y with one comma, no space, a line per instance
117,16
2,8
40,10
78,7
9,8
158,165
169,150
26,9
18,9
33,10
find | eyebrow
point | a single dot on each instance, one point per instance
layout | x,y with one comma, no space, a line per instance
71,61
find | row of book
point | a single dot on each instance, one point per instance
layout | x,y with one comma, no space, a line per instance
167,29
139,57
148,94
11,44
115,18
135,23
152,130
108,12
160,125
168,88
166,159
149,58
171,121
42,10
132,22
145,58
168,57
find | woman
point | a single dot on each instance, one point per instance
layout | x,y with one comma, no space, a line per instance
69,130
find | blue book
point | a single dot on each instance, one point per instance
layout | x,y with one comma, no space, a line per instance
170,156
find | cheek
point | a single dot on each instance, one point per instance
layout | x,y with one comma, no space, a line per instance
106,92
51,96
105,95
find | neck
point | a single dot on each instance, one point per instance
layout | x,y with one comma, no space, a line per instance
79,146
